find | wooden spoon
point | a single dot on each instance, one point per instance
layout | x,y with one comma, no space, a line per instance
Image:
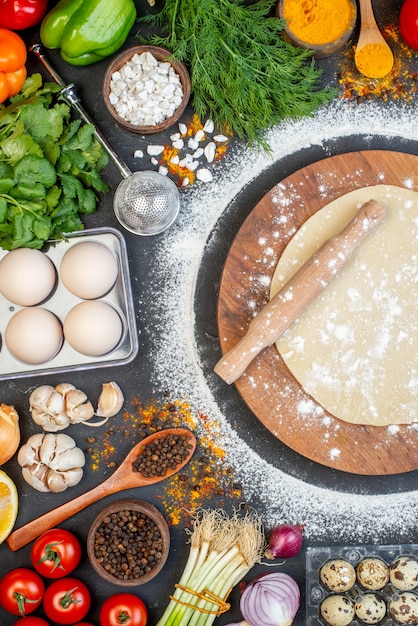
295,296
373,56
123,478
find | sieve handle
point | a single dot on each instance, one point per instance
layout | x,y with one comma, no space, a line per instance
71,98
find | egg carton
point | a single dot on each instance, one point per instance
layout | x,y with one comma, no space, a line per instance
62,301
316,591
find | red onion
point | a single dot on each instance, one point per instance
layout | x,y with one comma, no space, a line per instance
270,600
285,541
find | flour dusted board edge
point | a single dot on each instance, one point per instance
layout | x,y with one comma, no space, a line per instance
267,387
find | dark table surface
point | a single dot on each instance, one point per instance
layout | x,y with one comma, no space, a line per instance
175,278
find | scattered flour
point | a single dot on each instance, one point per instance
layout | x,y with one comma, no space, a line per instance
344,516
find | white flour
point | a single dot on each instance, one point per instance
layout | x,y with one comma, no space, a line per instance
346,517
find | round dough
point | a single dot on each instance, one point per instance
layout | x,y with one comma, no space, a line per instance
355,348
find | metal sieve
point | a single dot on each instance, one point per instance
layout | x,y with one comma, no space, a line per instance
145,203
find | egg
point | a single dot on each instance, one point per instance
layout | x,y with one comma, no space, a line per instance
89,269
34,335
404,608
372,573
404,573
337,610
370,608
93,327
27,277
337,575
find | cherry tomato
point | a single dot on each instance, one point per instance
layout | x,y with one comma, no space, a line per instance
123,608
56,553
21,591
12,51
66,601
21,14
408,23
31,621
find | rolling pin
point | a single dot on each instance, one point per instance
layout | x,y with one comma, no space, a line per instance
296,295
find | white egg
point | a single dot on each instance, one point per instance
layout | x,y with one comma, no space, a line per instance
34,335
93,328
27,277
89,270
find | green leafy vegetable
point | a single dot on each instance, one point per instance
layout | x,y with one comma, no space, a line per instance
50,168
244,75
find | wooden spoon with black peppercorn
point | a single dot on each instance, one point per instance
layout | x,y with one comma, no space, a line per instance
142,467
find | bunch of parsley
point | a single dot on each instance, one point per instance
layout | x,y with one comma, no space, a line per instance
49,168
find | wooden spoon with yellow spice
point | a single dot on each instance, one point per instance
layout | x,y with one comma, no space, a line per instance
373,56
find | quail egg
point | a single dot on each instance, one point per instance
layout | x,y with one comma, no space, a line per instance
372,573
89,269
337,575
337,610
370,608
404,573
403,608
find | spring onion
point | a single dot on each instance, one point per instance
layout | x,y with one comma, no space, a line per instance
223,549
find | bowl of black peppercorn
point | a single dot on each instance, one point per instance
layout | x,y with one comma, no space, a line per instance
128,542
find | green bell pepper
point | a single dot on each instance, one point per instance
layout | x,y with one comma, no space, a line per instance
88,31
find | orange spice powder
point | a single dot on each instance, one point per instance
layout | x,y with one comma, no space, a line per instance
206,477
400,83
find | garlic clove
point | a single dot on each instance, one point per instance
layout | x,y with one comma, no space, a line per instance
110,401
78,408
64,388
39,396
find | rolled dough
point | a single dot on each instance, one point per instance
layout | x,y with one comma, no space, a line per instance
355,348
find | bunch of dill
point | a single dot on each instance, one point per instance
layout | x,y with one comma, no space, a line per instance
244,75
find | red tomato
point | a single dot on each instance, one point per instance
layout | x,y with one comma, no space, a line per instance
66,601
123,608
408,23
56,553
21,591
31,621
20,14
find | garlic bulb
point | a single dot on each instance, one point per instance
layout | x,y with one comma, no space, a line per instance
9,432
55,408
51,462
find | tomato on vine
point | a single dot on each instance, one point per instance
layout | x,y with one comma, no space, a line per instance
66,600
123,608
21,591
56,553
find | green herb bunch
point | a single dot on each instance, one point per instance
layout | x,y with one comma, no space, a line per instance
49,168
244,75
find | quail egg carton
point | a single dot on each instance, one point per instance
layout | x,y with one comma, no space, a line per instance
316,591
61,301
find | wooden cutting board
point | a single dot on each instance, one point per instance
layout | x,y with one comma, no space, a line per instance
268,387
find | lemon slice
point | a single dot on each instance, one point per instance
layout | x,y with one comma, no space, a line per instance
8,505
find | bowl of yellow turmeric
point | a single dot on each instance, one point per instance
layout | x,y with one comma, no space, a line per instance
323,26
